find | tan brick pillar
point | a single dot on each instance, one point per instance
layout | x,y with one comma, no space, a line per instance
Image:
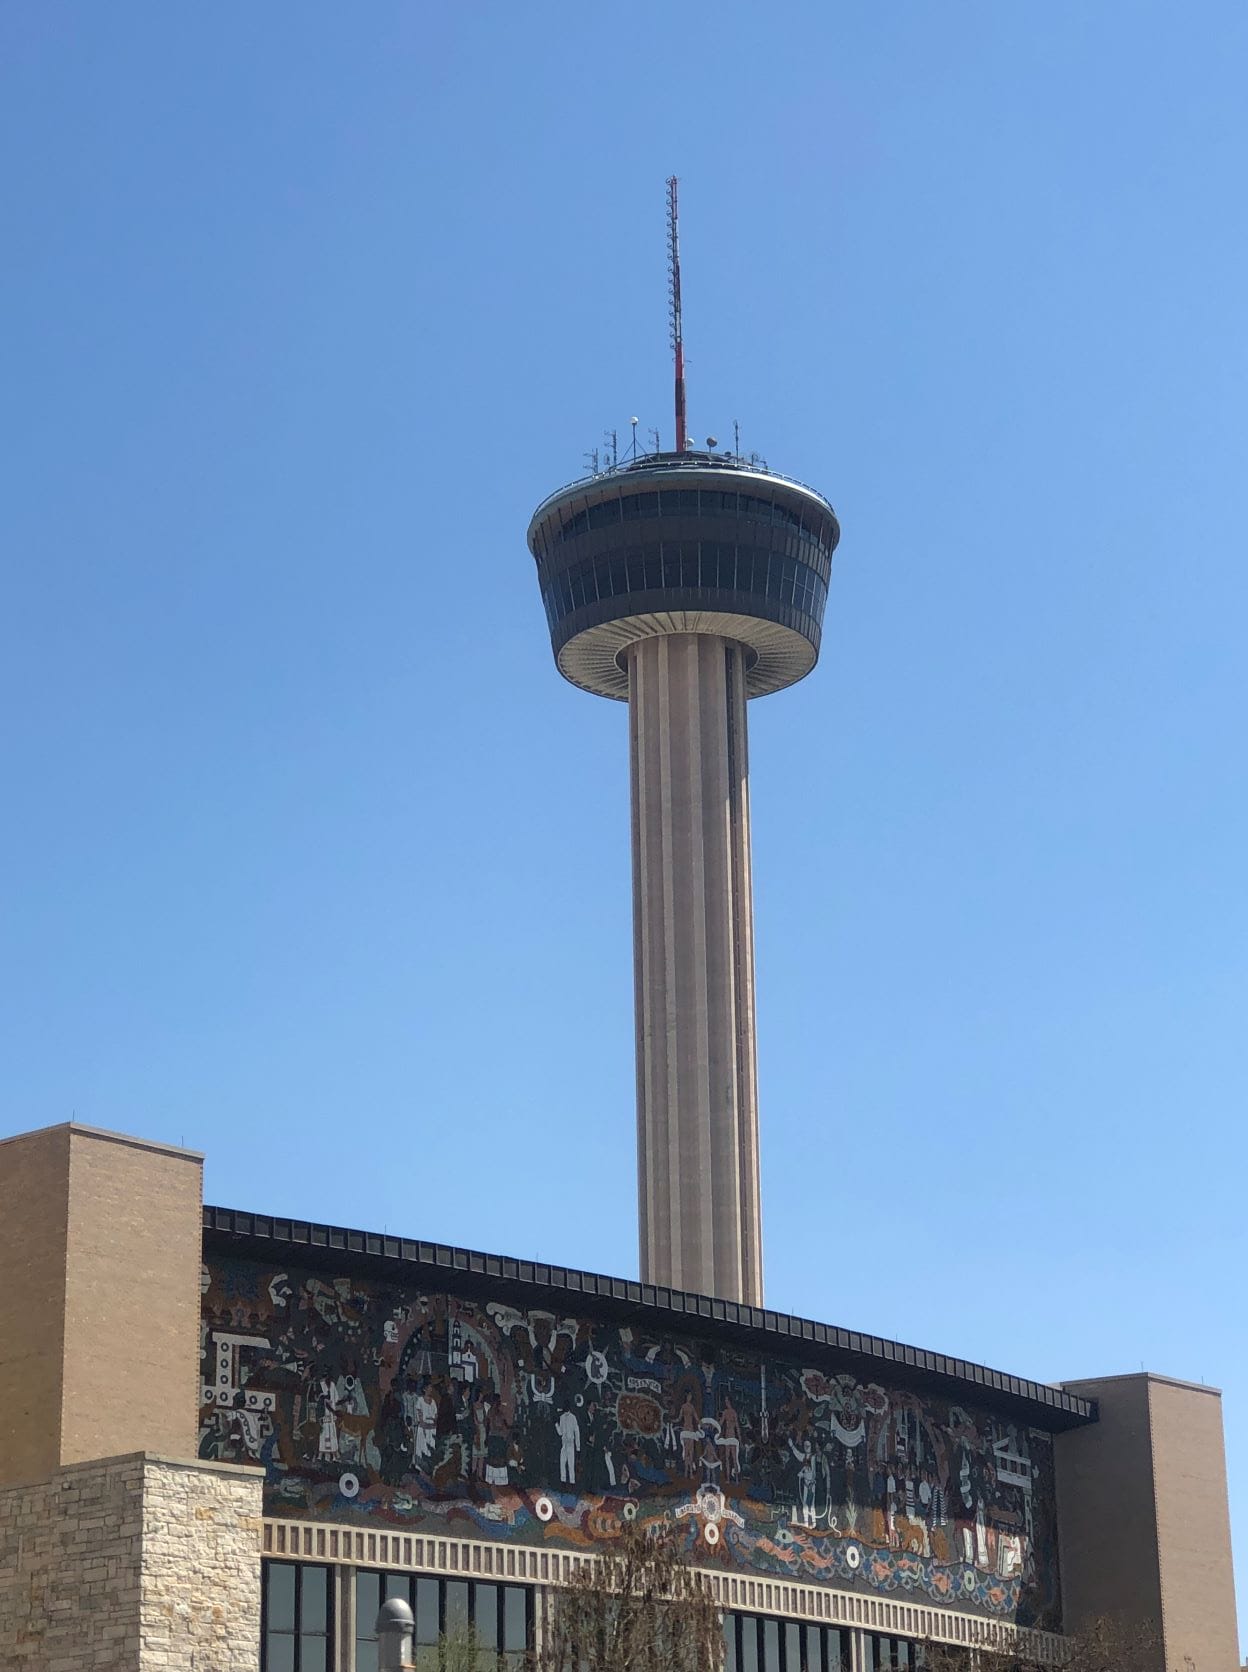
101,1243
1143,1520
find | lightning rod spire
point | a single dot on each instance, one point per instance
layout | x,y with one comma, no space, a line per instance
673,279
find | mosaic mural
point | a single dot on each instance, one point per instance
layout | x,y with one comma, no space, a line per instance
439,1414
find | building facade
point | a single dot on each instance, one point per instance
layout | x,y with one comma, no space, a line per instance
227,1438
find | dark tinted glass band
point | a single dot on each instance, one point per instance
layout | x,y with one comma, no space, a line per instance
738,574
704,502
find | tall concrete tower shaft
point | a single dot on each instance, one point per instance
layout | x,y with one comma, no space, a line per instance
693,950
683,584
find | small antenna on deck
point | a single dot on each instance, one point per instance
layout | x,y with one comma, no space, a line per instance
673,279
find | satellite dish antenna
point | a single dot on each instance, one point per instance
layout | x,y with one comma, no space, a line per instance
712,441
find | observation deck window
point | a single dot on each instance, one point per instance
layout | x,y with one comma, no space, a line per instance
715,502
688,565
602,515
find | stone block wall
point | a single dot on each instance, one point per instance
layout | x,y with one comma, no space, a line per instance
132,1564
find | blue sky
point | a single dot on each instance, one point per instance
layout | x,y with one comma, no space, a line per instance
313,862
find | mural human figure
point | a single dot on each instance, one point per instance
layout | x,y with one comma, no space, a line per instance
569,1430
425,1437
480,1433
600,1428
730,1439
966,1509
541,1439
497,1446
805,1480
712,1462
391,1437
422,1339
327,1440
690,1434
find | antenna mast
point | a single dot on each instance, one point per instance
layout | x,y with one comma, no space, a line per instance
673,288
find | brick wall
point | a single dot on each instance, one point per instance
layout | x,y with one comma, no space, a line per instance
100,1243
34,1208
1142,1514
132,1564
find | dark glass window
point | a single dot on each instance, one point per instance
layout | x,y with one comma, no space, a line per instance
792,1646
607,512
367,1603
814,1650
485,1626
648,504
497,1618
787,582
428,1610
296,1613
455,1619
515,1619
758,1644
891,1654
749,1643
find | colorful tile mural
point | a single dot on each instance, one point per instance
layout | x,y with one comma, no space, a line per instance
437,1413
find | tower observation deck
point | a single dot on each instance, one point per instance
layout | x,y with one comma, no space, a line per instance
685,583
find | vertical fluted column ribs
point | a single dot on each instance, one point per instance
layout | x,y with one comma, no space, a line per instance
697,1119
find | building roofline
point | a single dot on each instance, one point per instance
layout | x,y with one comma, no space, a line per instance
1075,1383
261,1235
76,1128
667,465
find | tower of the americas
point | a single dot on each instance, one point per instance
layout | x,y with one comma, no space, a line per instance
684,584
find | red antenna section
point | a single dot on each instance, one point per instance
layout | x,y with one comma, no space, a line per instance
673,278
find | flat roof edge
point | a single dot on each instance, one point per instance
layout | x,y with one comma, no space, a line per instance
321,1243
1072,1384
77,1128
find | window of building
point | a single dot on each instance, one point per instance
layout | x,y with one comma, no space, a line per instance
495,1621
296,1618
708,565
754,1643
607,512
891,1654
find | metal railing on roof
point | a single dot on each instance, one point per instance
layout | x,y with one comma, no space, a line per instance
746,464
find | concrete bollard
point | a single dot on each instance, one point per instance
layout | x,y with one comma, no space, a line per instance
395,1628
